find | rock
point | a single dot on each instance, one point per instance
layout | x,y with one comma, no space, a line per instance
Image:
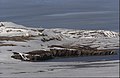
41,55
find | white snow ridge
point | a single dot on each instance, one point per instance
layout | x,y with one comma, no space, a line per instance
12,29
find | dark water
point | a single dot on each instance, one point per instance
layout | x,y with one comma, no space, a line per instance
77,14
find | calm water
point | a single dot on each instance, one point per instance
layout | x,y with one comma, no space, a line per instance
77,14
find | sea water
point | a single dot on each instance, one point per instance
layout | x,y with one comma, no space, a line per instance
75,14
